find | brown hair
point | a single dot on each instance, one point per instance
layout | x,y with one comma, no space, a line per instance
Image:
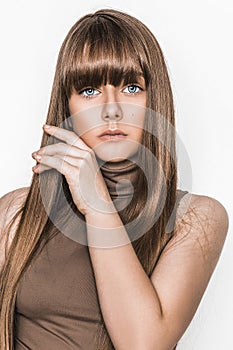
106,46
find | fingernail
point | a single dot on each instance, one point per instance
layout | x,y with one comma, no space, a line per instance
46,126
35,167
37,156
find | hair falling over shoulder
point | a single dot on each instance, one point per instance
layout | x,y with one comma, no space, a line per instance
105,46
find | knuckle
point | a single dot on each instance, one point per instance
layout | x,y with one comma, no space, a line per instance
66,168
90,153
69,171
75,140
61,149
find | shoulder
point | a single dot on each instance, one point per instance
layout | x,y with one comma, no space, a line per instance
9,204
205,207
14,194
12,200
202,218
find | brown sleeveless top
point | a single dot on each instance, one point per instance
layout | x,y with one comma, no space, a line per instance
57,305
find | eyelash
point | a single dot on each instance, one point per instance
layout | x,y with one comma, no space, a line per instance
88,97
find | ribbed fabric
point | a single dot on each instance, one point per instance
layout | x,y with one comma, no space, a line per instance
57,305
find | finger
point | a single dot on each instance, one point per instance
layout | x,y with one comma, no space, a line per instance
60,148
57,163
40,168
66,135
68,153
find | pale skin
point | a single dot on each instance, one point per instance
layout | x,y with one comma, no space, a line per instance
139,312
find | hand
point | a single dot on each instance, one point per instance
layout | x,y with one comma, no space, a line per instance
77,162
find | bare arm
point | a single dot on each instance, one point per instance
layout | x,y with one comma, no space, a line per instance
142,313
9,204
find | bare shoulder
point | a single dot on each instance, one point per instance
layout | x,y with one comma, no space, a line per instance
202,219
10,203
208,203
204,208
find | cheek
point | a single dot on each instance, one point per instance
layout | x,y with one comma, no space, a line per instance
79,126
89,138
84,126
138,134
138,126
86,121
73,106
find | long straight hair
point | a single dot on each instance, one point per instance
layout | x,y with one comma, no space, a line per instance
106,46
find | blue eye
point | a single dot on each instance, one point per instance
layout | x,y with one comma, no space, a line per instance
89,92
133,89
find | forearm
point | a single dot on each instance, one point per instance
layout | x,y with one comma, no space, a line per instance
129,303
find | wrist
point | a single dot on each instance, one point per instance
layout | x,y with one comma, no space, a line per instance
97,205
105,230
102,214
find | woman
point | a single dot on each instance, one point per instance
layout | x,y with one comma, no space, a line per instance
90,260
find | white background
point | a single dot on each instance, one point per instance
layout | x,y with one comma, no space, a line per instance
196,38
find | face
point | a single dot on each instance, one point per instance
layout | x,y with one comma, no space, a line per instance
111,110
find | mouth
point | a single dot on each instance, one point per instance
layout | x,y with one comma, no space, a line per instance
113,135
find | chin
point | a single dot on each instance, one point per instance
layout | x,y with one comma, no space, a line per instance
116,151
113,159
116,158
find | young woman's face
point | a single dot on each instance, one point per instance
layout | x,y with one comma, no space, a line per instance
106,109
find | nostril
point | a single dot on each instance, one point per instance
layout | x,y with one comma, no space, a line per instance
114,115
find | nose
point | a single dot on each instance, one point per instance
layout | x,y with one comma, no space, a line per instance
111,111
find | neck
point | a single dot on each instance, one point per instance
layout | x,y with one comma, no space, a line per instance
120,177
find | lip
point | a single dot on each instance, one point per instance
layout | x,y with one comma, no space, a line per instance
113,137
115,133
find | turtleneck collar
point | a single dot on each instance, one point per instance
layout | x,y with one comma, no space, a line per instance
120,177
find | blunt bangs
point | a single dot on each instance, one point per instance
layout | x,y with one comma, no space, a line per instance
100,53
